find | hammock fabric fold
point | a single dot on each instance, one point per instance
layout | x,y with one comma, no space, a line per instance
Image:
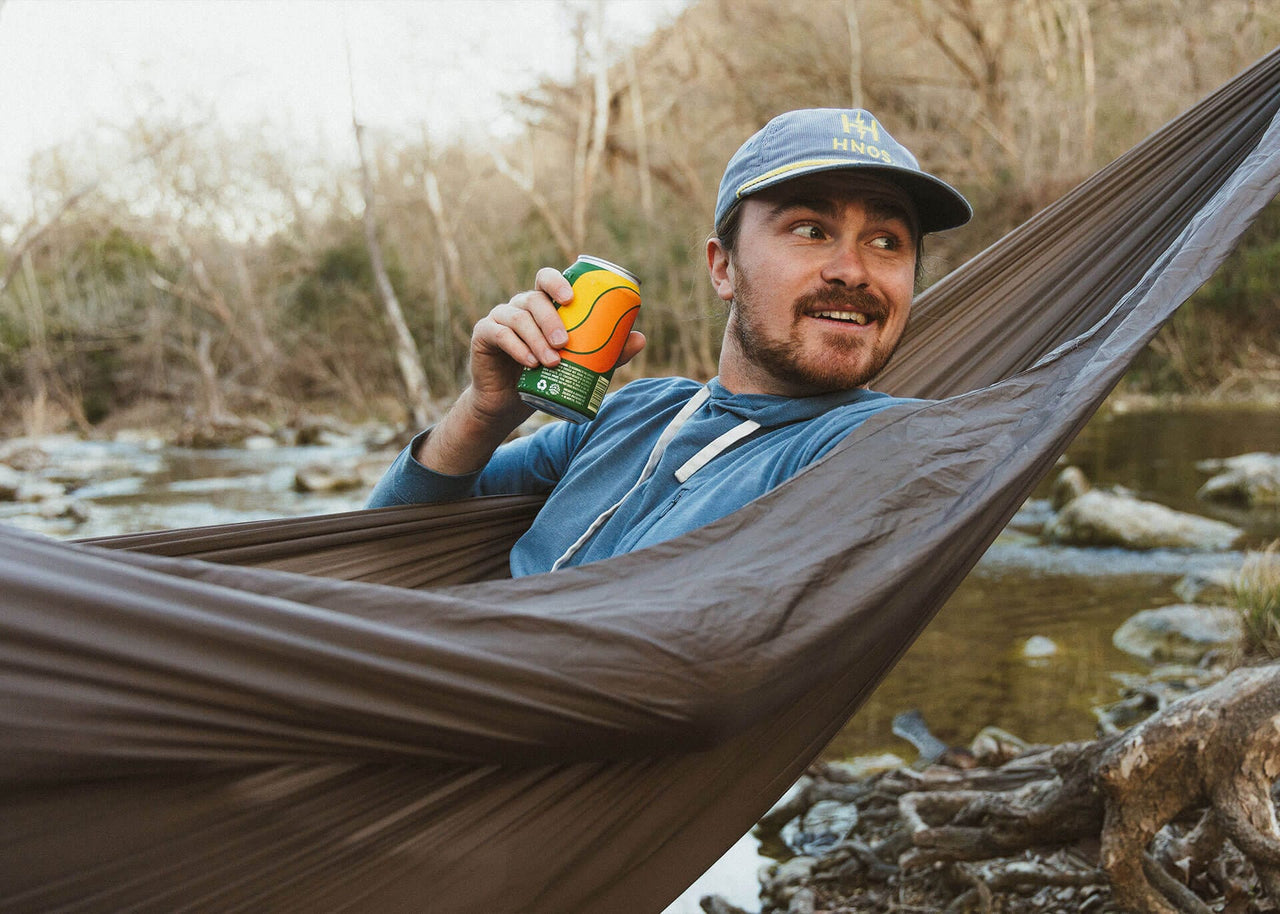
350,713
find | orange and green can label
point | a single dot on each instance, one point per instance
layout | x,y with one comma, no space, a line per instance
606,299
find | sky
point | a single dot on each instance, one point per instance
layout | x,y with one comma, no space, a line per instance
70,67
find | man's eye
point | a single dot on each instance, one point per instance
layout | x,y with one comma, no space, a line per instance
811,232
885,242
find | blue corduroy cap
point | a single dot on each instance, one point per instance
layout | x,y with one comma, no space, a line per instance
830,139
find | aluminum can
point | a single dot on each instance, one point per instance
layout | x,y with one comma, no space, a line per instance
606,299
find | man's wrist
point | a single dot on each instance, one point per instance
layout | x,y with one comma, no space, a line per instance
467,436
506,414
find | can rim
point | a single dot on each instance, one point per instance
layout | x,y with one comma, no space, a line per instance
609,265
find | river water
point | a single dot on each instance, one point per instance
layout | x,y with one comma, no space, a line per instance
969,669
1074,597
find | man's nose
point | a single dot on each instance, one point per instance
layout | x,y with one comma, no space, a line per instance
846,266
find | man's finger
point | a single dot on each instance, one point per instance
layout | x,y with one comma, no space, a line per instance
521,323
631,348
552,282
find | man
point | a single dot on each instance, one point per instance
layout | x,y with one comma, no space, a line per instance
818,228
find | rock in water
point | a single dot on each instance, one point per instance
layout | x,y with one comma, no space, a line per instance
1251,480
1099,518
1182,632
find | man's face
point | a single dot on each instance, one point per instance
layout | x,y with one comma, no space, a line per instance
820,285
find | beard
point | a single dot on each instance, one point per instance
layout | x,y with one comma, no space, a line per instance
844,362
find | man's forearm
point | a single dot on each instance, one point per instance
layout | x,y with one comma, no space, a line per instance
464,440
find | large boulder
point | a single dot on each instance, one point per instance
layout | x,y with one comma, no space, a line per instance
821,827
220,432
1182,633
1250,480
324,431
40,490
1103,518
341,475
333,477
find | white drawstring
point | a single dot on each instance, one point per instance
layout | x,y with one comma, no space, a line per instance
708,453
687,469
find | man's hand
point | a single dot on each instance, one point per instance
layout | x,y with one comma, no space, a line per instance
523,333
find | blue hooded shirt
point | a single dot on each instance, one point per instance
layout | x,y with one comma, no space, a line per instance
590,467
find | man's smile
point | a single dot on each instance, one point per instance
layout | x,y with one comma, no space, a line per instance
850,307
851,317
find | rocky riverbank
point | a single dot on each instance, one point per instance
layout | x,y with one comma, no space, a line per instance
854,843
71,486
857,838
849,837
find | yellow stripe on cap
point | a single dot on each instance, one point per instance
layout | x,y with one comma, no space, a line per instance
794,166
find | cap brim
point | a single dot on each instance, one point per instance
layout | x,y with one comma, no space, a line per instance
939,206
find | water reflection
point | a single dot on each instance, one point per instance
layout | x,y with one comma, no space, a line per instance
970,669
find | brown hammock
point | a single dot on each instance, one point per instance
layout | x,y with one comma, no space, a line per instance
210,720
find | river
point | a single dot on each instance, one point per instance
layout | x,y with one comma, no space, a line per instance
969,669
1074,597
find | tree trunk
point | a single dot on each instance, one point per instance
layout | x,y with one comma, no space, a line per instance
559,234
855,54
642,137
975,44
455,274
593,124
408,360
1088,78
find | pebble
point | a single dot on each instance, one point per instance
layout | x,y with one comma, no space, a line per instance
1038,647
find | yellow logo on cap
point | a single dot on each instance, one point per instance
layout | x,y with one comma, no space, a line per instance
866,127
863,127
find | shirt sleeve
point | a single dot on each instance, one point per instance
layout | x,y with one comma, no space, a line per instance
529,465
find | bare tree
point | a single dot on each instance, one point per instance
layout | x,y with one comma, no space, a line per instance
642,136
596,114
36,227
587,107
541,204
973,40
451,286
1062,33
409,362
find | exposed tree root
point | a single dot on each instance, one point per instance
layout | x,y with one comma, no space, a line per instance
1176,815
1218,748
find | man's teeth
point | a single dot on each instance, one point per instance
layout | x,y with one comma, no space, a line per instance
856,317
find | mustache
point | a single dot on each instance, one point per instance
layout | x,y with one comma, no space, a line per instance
835,298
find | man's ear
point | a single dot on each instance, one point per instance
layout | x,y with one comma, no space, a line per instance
720,269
